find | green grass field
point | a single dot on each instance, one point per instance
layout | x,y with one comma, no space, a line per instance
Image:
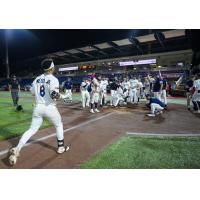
133,152
12,123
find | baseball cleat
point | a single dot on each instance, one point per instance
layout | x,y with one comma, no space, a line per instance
62,149
151,115
14,155
159,112
96,110
92,111
195,111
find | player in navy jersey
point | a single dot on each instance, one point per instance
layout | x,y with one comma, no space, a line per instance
68,86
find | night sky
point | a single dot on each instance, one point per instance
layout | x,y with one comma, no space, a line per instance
29,43
24,44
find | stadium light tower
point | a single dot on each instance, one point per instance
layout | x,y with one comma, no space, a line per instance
6,55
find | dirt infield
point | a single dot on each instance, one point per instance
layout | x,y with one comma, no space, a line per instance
89,133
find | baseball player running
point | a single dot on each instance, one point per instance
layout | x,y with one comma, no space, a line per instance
45,88
103,91
84,93
95,86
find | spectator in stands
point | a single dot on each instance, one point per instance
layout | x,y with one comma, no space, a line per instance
14,88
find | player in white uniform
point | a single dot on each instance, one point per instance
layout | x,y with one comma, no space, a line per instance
133,92
84,93
103,91
139,89
196,95
113,88
126,89
45,88
147,89
151,82
118,96
95,95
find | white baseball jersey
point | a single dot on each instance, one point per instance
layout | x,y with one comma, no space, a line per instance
95,85
133,83
140,85
43,86
103,85
147,85
126,85
197,84
84,86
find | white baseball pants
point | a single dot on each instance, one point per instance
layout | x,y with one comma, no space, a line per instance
42,111
164,95
112,92
85,98
155,107
103,94
94,97
133,95
68,94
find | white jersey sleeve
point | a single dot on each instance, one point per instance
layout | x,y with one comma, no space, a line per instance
84,86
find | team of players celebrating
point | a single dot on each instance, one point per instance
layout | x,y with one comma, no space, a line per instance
45,88
127,90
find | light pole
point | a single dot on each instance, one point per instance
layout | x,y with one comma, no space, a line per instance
6,55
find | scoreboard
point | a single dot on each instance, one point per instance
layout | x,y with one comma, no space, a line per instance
87,67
